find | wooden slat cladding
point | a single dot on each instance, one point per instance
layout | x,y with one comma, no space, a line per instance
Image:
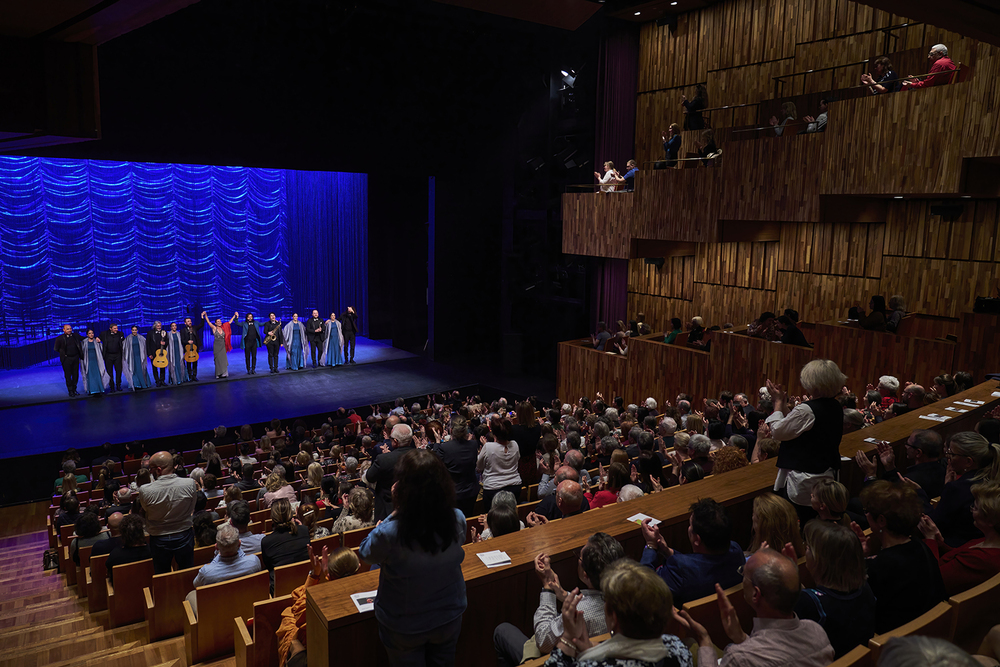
939,286
582,371
597,224
675,279
749,362
822,297
980,340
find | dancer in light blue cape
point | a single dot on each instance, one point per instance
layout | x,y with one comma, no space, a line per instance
296,346
134,353
333,343
95,378
175,356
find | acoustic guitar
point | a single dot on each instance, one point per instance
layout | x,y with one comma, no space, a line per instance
160,359
190,353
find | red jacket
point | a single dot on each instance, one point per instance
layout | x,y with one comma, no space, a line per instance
944,64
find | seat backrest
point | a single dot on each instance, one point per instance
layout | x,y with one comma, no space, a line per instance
938,622
203,555
218,604
861,656
706,611
125,600
289,577
525,508
97,587
354,538
976,611
266,620
332,542
166,618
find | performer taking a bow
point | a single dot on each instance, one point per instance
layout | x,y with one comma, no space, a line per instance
272,340
333,343
295,344
156,343
68,347
249,341
95,378
134,351
113,342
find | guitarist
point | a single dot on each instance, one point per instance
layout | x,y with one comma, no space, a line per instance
272,340
249,341
156,340
191,335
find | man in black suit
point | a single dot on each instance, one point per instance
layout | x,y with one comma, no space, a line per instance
349,328
459,455
314,334
68,348
272,341
382,471
157,340
113,342
191,335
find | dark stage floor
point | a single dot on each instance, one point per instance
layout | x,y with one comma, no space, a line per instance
44,423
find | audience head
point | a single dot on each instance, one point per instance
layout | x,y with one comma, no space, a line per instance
776,522
877,303
569,497
282,516
888,385
829,499
937,52
629,492
700,446
729,458
133,531
963,380
924,445
227,540
618,476
968,451
821,378
424,499
789,111
882,64
161,463
834,556
88,525
682,442
69,503
361,503
275,481
919,651
314,474
766,448
695,425
771,584
198,475
123,496
989,428
342,563
232,494
600,551
503,519
637,602
709,529
892,508
691,472
944,385
239,514
204,530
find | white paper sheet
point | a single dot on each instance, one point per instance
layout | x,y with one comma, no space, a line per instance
364,601
494,558
640,517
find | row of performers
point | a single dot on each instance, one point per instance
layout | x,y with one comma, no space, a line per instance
174,352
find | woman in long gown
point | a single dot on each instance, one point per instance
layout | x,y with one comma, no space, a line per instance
134,353
95,378
333,343
295,344
222,344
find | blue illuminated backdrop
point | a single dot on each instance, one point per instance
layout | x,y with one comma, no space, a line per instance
84,241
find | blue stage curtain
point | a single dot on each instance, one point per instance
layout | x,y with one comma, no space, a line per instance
328,242
86,242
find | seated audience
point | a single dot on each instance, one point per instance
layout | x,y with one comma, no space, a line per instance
764,326
940,72
69,476
512,645
617,477
358,511
841,601
883,80
276,487
944,386
568,500
631,169
639,609
230,562
609,178
675,330
977,560
707,147
308,515
204,530
788,113
779,637
341,563
122,504
789,333
877,318
817,124
288,540
903,573
897,309
549,506
919,651
133,547
714,557
775,523
104,547
239,518
729,458
602,336
971,460
504,504
88,533
671,144
829,499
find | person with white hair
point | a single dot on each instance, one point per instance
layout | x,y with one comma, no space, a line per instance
380,475
230,562
940,72
629,492
809,433
920,651
888,387
651,405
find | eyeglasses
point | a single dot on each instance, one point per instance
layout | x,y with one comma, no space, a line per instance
740,569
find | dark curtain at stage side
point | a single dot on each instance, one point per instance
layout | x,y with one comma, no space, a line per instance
610,291
83,242
616,85
328,242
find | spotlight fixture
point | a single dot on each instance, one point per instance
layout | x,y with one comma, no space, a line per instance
568,78
564,72
637,13
674,3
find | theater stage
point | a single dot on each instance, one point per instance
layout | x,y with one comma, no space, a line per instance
41,418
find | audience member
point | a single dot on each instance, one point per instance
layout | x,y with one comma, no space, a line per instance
779,637
498,461
841,601
239,518
104,547
230,562
631,169
169,504
512,646
550,507
675,330
829,499
382,471
123,502
358,511
459,455
940,72
729,458
707,147
608,488
903,573
809,433
775,523
599,339
877,318
609,178
918,651
133,547
502,514
638,607
971,460
288,540
788,113
88,533
883,80
671,144
693,120
817,124
421,592
714,557
789,332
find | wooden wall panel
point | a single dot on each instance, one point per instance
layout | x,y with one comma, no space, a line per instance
865,355
659,310
737,264
583,370
939,286
746,363
979,352
597,224
663,371
674,279
822,297
719,304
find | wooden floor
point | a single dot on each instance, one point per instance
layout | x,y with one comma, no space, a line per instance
44,623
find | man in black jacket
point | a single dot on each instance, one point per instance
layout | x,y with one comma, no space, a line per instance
191,335
68,347
459,455
113,341
272,341
314,334
156,340
349,328
382,471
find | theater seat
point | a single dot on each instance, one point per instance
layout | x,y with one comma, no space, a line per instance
210,633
